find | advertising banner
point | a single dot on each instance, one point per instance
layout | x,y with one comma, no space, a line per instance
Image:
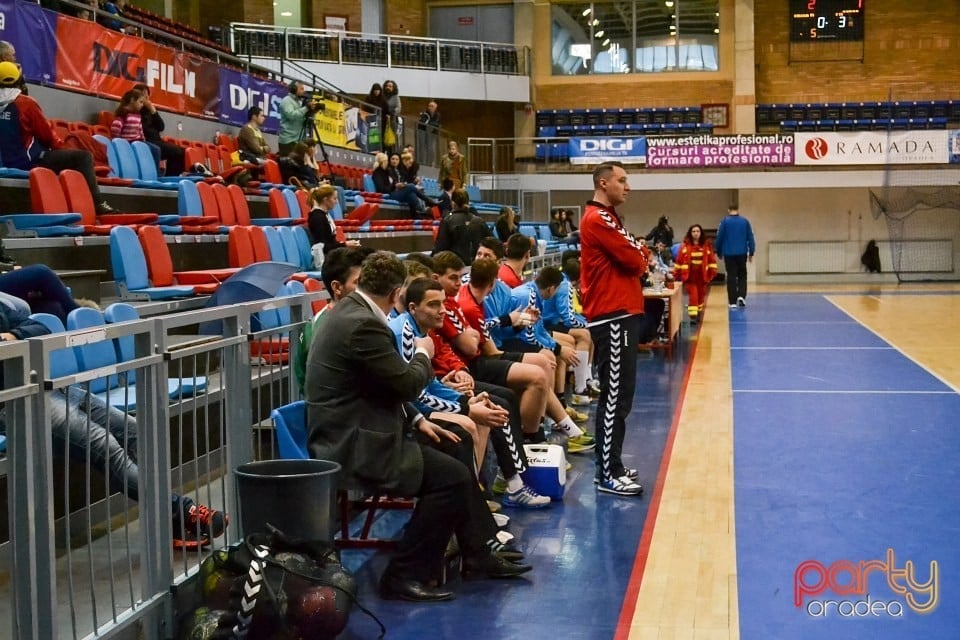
954,146
595,150
32,32
705,151
96,59
239,91
872,147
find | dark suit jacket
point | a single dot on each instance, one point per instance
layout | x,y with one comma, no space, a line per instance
356,387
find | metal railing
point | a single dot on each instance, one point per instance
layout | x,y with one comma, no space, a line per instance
377,49
83,558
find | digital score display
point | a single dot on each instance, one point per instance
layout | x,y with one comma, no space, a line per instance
812,20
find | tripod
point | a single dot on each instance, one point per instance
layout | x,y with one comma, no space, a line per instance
309,130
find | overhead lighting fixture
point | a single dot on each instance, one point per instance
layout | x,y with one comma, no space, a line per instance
605,42
717,30
668,4
718,14
586,12
598,34
286,14
595,22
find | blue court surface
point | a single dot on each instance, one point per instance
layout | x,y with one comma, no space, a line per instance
846,480
582,549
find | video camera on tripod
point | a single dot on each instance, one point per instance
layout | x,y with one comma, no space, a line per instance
314,103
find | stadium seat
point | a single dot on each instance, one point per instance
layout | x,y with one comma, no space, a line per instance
79,200
260,244
130,270
240,247
63,362
241,210
160,265
129,168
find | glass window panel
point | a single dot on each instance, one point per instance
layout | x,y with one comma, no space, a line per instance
664,35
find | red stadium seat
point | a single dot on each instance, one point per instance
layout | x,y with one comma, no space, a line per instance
239,247
228,217
312,284
160,265
261,248
79,200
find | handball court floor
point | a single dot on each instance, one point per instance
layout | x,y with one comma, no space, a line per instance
800,464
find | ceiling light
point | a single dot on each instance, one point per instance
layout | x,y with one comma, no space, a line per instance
586,12
668,4
286,14
718,14
717,30
598,34
673,16
605,42
595,22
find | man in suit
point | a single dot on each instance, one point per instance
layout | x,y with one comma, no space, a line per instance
358,391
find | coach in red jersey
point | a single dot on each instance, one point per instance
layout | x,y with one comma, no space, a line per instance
612,263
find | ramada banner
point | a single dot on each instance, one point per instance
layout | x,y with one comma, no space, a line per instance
873,147
93,58
704,151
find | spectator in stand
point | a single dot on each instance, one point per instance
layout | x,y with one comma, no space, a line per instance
407,172
95,430
252,145
310,159
152,128
128,124
446,197
391,116
562,226
27,140
386,181
462,230
116,8
86,14
294,168
413,169
293,114
506,224
453,166
428,130
323,230
8,53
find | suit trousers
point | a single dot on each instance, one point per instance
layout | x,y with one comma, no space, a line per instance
441,509
736,267
615,352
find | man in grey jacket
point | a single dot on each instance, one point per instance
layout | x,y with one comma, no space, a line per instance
359,392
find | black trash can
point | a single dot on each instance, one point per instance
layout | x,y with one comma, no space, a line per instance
295,496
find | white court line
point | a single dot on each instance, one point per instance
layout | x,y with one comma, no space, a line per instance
932,373
889,392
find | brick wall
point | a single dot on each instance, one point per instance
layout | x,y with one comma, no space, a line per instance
406,17
910,52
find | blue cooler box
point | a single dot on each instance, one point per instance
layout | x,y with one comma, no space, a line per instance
547,472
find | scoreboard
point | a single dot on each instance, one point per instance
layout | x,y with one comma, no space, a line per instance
812,20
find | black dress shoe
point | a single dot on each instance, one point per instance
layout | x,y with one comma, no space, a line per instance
394,588
494,566
510,552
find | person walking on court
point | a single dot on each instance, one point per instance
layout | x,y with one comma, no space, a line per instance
611,265
735,246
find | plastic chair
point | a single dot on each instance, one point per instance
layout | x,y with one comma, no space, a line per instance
130,270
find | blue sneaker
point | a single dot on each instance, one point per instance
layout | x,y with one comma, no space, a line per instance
526,498
622,486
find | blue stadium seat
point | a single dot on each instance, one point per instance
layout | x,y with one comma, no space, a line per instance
130,270
63,362
290,424
130,169
112,159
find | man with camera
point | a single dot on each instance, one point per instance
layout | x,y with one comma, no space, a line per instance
296,112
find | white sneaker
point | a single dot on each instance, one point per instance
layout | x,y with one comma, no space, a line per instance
741,302
525,498
733,306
